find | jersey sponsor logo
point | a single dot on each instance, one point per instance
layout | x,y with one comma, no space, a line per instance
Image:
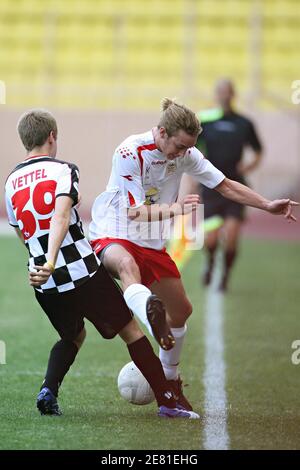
159,162
128,177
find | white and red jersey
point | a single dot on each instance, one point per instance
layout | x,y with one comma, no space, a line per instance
141,174
30,193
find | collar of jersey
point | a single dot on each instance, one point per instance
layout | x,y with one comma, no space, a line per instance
36,156
157,153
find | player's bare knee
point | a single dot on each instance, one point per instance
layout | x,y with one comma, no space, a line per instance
80,338
127,266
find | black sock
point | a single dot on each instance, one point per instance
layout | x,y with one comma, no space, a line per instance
143,356
211,251
229,258
61,358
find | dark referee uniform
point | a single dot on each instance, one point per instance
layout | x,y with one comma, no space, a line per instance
80,286
222,141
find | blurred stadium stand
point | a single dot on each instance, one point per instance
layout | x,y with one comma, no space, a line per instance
105,65
117,53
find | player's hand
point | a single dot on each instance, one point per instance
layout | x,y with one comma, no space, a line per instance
190,203
284,207
41,275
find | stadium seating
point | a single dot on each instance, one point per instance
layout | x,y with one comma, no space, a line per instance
117,53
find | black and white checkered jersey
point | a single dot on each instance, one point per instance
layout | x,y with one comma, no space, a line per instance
30,192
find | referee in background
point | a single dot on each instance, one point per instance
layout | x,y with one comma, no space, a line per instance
225,136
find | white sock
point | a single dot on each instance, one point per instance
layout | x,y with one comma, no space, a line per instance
170,359
136,296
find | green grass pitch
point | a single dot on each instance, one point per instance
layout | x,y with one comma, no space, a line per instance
262,385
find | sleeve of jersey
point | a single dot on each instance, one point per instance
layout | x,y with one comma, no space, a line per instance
253,139
128,171
10,213
67,182
203,170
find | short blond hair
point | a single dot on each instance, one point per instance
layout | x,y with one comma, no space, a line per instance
34,128
176,117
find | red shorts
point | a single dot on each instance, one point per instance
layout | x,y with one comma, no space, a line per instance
153,264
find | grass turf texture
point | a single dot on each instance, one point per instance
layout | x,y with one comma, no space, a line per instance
261,322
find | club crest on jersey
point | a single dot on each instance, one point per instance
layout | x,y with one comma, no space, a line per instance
171,168
151,196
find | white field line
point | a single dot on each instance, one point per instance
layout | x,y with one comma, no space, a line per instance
215,420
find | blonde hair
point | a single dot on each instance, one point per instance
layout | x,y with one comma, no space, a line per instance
177,117
34,128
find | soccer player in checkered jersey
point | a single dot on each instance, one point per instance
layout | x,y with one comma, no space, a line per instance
142,189
69,281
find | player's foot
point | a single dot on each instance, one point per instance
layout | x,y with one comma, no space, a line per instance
47,403
165,412
156,315
176,386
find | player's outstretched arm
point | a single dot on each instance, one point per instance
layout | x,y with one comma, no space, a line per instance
58,230
240,193
155,212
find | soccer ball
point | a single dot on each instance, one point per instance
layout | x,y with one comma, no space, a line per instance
133,386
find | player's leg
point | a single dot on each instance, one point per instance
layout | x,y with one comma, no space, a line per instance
114,317
212,214
148,308
121,265
179,308
211,244
63,313
142,354
231,229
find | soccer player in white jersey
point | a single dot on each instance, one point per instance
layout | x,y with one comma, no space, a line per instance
142,189
69,281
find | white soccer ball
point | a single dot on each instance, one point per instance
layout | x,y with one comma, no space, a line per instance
133,386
